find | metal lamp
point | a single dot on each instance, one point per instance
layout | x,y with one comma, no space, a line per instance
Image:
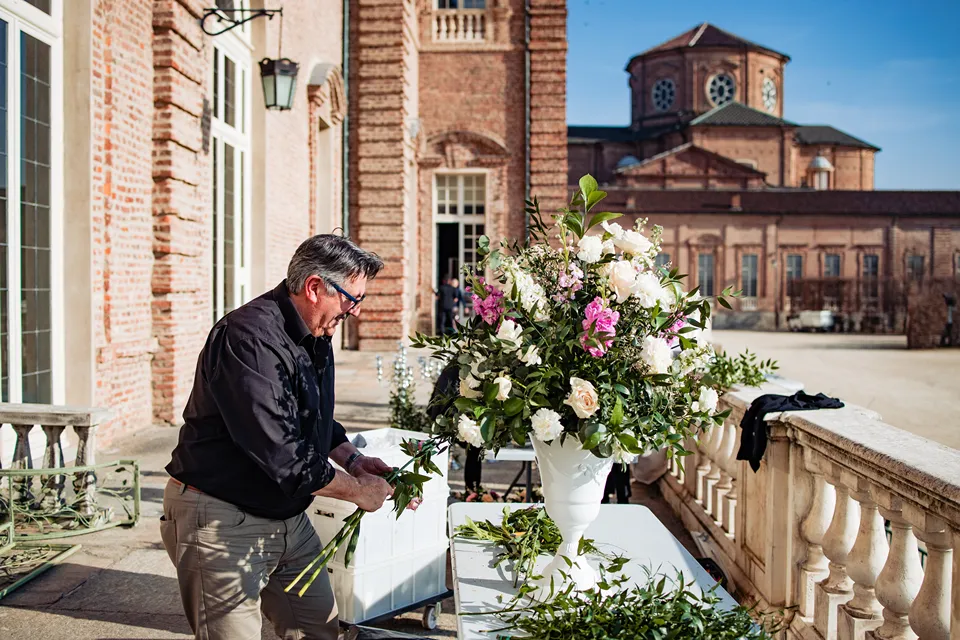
279,79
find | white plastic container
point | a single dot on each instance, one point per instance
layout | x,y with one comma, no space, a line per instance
398,561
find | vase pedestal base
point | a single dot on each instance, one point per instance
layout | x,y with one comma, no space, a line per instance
580,573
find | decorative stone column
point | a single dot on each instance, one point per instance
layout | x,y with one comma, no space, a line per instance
930,613
866,559
837,587
899,580
814,567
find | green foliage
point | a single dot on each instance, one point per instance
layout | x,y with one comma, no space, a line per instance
724,372
524,534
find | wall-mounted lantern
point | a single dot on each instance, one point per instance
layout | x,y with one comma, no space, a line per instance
279,76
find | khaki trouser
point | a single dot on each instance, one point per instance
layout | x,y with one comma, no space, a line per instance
230,565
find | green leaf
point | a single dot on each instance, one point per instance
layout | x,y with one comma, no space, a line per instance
594,198
622,389
513,406
483,245
487,428
603,216
490,392
587,185
723,303
617,416
465,405
592,441
629,443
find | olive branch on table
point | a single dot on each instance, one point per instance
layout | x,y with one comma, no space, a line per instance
407,485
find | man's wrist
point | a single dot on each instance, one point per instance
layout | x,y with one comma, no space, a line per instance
351,460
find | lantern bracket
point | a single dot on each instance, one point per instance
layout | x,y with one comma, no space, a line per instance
246,15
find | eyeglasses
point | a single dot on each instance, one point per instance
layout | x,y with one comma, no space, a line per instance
356,301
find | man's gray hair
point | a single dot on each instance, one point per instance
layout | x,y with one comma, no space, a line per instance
333,258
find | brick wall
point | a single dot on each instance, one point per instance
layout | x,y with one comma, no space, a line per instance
182,206
122,235
382,75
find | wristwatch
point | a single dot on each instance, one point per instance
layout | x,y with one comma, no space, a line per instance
350,460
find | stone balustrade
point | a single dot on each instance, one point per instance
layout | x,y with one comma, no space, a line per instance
460,25
832,527
47,493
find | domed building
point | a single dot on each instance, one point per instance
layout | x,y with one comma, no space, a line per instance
784,212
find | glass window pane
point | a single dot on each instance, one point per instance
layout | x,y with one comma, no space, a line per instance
705,273
831,265
216,84
229,92
794,267
748,275
35,219
871,265
43,5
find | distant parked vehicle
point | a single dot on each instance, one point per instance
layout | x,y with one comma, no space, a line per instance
818,321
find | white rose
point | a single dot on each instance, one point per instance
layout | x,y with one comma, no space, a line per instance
633,242
467,388
608,247
591,249
647,290
504,385
509,333
546,424
612,228
622,275
469,431
655,352
582,398
531,357
707,402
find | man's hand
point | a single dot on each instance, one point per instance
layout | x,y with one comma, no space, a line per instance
373,491
371,466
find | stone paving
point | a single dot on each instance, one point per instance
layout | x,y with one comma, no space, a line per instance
914,390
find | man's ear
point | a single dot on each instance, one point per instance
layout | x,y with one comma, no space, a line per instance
312,289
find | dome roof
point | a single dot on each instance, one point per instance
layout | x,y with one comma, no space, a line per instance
819,163
627,161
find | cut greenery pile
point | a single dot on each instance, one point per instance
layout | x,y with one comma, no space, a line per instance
659,609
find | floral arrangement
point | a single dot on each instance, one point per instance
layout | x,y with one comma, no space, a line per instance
583,337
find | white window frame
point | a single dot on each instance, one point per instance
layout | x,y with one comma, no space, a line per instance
22,17
235,45
459,217
821,180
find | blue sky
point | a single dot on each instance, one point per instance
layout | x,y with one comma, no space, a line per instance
882,70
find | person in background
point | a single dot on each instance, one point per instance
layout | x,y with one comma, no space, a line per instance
461,300
447,301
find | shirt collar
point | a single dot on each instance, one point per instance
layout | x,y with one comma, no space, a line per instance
293,323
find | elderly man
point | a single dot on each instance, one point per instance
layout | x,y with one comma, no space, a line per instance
255,447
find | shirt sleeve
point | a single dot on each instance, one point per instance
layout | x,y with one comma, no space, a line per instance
339,435
253,391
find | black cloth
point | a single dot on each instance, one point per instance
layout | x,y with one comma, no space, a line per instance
618,482
259,422
753,440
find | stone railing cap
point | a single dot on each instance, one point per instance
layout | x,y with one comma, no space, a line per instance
53,415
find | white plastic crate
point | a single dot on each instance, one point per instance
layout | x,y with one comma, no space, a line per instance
398,561
373,590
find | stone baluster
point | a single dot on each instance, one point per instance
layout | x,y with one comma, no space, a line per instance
459,29
866,560
732,466
930,613
814,568
85,483
836,588
52,486
703,466
23,459
899,580
712,472
482,20
724,482
955,606
468,33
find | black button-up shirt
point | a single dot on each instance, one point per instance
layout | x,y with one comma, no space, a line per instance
259,422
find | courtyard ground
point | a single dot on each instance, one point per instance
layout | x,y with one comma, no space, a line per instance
915,390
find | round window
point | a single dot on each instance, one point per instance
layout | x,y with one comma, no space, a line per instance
721,89
664,93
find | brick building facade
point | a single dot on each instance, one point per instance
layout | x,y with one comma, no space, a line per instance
157,192
786,213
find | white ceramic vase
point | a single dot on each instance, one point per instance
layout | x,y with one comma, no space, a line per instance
573,482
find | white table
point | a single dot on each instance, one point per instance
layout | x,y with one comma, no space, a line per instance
629,529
